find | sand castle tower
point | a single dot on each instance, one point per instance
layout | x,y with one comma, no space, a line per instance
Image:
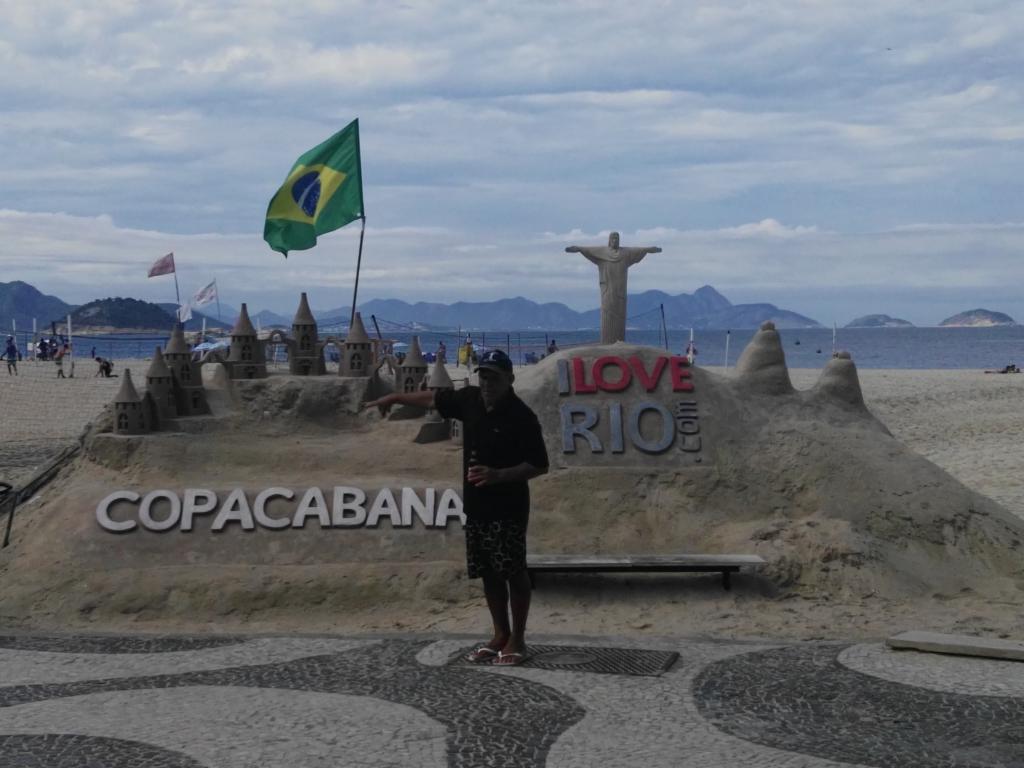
246,359
839,381
130,416
357,357
439,378
305,353
412,371
762,365
189,395
160,387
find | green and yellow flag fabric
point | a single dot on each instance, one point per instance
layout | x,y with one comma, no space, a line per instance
323,192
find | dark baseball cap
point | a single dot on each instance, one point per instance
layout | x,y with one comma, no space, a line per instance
495,360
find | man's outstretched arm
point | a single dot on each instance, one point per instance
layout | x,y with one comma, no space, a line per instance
421,399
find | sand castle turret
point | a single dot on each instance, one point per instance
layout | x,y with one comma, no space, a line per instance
412,371
839,381
357,358
437,428
160,386
762,366
130,412
246,359
305,353
439,378
189,395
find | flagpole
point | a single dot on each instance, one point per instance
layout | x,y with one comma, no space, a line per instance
362,230
177,294
359,261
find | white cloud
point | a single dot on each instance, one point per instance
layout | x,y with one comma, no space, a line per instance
771,147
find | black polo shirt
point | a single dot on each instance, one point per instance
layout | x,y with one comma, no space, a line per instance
504,437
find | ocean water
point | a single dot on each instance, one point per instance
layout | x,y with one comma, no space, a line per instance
980,348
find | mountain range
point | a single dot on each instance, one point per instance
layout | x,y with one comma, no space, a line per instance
704,308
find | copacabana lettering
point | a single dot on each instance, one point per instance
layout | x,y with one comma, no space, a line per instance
162,510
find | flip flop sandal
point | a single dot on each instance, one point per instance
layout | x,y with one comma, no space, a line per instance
481,654
515,659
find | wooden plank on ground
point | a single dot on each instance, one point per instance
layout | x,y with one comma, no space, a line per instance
958,645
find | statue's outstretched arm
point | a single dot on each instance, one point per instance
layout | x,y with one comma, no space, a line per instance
589,253
636,254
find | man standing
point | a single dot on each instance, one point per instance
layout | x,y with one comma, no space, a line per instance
11,354
503,448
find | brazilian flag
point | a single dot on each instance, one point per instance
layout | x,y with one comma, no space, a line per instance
323,192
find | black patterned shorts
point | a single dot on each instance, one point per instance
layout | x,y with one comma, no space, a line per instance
495,547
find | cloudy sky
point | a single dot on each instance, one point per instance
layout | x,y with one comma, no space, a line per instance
833,158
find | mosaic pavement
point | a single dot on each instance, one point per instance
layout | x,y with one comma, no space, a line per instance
205,702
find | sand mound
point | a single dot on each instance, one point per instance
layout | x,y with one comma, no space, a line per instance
810,480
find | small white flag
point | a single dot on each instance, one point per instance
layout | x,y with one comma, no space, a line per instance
184,313
162,266
205,295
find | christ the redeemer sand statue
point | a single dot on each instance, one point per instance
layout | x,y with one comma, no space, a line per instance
612,264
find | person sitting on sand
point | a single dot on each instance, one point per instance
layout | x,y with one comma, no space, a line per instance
104,367
503,448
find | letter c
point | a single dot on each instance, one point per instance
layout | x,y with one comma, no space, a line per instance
259,510
103,512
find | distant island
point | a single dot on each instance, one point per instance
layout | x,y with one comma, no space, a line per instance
878,321
977,318
705,308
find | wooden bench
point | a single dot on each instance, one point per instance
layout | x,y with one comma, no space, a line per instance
724,564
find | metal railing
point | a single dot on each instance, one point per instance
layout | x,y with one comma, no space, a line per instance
10,497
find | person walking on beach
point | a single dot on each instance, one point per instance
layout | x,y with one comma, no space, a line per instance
469,352
59,359
11,354
503,448
442,352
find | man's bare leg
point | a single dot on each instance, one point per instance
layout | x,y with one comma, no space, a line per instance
519,600
496,592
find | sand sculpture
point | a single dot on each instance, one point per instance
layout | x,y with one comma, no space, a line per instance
190,397
613,264
411,373
131,413
246,360
357,353
305,349
292,501
174,388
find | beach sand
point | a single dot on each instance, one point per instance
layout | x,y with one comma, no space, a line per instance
967,422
